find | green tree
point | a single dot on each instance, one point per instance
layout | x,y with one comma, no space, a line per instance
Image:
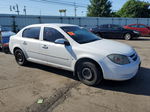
99,8
135,9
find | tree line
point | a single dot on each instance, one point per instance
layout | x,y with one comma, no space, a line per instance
132,8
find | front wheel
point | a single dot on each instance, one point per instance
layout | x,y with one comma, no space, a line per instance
127,36
89,74
20,58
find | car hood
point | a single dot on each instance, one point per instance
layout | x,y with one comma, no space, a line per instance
106,47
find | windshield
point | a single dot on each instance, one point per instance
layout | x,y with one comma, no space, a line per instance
80,35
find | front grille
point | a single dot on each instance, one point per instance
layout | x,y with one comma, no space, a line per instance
134,57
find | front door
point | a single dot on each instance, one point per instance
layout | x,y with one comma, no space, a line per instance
115,31
55,53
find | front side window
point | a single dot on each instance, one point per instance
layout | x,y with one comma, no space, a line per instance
33,33
115,27
51,34
80,35
134,26
103,26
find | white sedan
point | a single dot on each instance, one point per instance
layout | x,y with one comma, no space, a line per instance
73,48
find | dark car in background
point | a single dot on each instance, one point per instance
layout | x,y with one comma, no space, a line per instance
4,39
143,29
115,31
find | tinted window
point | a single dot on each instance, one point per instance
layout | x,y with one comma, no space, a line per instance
135,26
142,26
115,26
103,26
31,32
51,34
80,35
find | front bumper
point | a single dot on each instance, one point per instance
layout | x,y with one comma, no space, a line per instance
112,71
136,35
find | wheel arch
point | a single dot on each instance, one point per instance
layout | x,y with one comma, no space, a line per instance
18,47
86,59
15,48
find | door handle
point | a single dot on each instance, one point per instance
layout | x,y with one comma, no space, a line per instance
24,43
44,46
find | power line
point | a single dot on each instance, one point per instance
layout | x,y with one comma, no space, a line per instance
60,2
74,4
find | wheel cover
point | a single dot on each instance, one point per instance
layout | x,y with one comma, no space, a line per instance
87,73
19,57
128,36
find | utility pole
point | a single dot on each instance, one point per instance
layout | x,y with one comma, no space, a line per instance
25,10
10,8
75,9
17,10
40,12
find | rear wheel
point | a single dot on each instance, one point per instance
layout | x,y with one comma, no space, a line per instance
127,36
89,74
20,58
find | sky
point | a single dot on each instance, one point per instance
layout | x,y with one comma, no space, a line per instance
40,8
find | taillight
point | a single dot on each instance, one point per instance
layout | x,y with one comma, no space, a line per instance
5,45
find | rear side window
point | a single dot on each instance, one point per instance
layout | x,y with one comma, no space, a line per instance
142,26
51,34
31,33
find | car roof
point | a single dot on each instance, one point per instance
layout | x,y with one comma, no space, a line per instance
50,24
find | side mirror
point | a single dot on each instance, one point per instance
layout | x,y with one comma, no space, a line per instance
62,41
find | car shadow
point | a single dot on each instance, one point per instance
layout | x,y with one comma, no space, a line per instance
139,85
141,39
57,71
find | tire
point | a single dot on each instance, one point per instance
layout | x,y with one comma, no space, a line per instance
98,34
20,57
127,36
89,74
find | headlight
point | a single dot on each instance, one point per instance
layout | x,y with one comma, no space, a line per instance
119,59
135,32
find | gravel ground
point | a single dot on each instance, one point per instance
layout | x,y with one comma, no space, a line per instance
21,87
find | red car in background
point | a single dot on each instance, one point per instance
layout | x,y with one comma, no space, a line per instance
143,29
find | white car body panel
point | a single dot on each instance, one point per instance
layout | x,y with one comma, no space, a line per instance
65,57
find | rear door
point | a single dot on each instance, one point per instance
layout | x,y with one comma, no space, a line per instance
30,42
